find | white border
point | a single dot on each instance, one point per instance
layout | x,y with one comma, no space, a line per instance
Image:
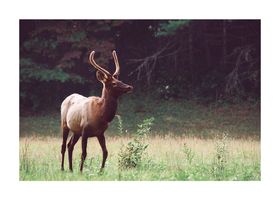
13,11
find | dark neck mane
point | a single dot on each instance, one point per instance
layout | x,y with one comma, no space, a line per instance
110,105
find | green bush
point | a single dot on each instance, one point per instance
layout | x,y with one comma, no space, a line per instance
188,153
130,155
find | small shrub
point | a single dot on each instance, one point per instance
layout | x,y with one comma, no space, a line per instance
168,91
220,158
189,153
120,125
130,155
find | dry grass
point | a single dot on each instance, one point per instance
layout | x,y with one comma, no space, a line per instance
164,160
158,145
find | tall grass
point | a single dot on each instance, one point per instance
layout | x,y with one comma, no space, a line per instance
165,160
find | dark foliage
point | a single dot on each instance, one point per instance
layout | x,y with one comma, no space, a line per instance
209,60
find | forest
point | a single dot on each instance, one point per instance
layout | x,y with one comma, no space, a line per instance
202,60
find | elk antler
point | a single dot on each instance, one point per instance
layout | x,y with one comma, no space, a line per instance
94,64
117,72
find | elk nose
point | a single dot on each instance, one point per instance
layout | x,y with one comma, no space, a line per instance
129,89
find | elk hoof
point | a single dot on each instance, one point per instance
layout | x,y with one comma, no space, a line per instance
101,172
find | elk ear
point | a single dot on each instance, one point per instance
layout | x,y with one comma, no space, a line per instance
101,77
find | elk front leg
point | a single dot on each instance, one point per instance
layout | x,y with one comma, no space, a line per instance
102,143
71,144
84,151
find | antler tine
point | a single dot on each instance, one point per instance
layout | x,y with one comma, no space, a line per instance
95,65
117,72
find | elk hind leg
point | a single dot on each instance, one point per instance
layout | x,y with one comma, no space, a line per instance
65,133
84,151
70,145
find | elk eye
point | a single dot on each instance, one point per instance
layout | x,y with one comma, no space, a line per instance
114,84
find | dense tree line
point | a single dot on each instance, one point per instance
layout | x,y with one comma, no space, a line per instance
209,60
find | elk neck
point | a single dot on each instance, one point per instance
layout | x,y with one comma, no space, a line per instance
110,104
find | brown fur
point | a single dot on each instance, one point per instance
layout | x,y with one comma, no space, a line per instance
90,116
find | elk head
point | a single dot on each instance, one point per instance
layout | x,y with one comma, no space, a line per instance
111,83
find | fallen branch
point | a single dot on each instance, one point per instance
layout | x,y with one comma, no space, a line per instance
148,64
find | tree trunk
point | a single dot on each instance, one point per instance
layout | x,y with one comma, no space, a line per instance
224,43
206,46
190,44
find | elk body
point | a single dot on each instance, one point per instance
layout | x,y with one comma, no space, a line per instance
89,116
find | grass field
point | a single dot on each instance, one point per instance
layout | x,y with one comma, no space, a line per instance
165,159
186,143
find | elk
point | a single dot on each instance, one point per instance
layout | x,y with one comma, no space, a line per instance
90,116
